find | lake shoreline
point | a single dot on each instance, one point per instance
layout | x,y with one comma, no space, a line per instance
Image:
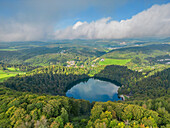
94,89
86,79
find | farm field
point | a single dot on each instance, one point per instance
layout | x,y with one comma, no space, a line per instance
114,61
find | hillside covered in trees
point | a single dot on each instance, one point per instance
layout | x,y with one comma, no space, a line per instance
22,109
153,86
32,110
56,80
36,76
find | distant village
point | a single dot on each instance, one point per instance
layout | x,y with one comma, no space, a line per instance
72,63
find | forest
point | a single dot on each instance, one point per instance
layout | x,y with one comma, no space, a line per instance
23,109
154,86
35,77
56,79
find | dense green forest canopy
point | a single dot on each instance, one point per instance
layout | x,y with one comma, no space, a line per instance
33,73
154,86
56,79
23,109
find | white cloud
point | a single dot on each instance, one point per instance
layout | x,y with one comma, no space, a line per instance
154,22
79,23
36,20
13,31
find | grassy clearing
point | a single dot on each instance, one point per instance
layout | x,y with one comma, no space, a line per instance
114,61
5,74
8,49
13,69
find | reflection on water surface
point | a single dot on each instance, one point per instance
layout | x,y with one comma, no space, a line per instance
94,90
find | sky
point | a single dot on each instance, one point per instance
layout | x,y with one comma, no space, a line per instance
32,20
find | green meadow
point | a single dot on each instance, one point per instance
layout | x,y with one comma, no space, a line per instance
9,72
114,61
13,69
8,49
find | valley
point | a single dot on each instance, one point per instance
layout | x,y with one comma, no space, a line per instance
36,77
84,63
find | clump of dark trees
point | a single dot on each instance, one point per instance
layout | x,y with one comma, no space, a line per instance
120,74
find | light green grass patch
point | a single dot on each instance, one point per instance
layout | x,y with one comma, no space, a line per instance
106,51
8,49
5,74
2,72
13,69
114,61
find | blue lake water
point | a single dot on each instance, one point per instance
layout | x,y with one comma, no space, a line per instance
94,90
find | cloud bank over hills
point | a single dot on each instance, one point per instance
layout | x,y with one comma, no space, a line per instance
153,22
